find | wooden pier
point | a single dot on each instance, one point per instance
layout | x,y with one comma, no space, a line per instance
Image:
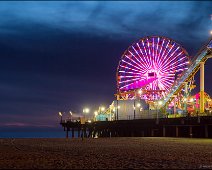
197,127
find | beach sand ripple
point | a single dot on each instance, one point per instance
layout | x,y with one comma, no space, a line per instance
106,153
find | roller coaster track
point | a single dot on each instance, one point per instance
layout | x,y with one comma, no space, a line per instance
201,56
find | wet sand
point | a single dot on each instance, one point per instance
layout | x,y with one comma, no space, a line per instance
106,153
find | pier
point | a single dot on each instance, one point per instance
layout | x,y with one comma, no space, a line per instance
153,96
192,127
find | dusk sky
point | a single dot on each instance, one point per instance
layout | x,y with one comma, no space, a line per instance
61,56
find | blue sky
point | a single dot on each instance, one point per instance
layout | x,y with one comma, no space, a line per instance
125,19
63,55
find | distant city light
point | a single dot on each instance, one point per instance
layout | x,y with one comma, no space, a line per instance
138,105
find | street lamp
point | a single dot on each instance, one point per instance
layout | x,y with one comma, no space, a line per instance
95,114
71,114
117,112
86,111
61,115
102,109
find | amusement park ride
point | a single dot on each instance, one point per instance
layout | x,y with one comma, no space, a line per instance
155,77
159,72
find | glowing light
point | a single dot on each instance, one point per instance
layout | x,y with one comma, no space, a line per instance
70,113
160,102
89,121
95,113
138,105
161,56
119,107
140,92
60,113
86,110
102,108
211,32
191,100
184,99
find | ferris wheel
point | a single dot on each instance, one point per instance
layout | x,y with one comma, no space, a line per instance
152,64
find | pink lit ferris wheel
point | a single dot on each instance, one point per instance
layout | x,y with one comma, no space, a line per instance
152,64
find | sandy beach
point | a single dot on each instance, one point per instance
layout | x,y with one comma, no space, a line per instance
106,153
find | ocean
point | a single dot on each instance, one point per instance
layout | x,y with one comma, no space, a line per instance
36,134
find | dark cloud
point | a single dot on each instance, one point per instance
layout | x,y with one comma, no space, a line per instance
63,55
